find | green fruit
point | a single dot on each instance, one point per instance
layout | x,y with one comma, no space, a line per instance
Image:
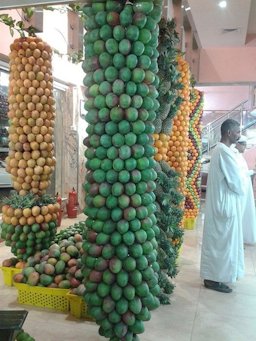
139,19
125,17
123,202
124,46
116,292
105,88
129,292
100,102
131,88
118,140
130,164
137,101
105,59
144,36
129,264
136,250
124,101
122,278
130,188
131,61
124,176
113,18
111,128
118,164
116,238
131,114
144,7
138,75
116,114
116,214
118,87
111,74
112,100
119,32
111,202
124,127
117,189
103,114
135,225
128,237
99,175
112,153
122,306
119,60
111,176
122,251
130,139
125,152
125,74
101,18
111,46
132,33
105,140
105,32
105,189
138,48
99,47
122,226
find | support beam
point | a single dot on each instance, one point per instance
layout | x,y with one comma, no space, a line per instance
10,4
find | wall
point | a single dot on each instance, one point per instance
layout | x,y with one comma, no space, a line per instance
227,65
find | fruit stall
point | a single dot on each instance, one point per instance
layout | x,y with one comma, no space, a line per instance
117,265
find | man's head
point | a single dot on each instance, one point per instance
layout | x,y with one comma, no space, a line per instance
230,131
241,144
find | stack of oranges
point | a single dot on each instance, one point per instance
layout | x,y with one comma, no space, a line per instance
194,156
161,143
178,142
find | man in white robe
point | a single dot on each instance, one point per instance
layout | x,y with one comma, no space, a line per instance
222,257
248,202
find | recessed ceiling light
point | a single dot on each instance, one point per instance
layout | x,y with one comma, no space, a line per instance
222,4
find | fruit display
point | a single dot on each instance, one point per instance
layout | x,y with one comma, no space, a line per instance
120,266
168,199
31,115
192,202
59,266
29,223
169,215
178,143
71,231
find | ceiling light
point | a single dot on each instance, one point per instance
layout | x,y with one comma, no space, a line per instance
187,8
182,6
222,4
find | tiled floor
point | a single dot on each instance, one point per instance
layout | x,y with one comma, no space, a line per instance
196,314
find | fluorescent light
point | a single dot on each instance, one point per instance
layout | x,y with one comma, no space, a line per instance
187,8
222,4
182,6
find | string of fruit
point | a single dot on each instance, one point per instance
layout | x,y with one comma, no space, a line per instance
168,214
120,266
29,218
178,143
192,202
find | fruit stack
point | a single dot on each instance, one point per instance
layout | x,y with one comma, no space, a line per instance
29,217
192,202
178,143
120,266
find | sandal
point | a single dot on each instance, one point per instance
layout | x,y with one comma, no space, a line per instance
217,286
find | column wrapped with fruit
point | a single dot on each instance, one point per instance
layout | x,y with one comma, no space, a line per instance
192,202
178,143
29,215
120,265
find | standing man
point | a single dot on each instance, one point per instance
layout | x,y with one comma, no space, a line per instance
222,257
248,203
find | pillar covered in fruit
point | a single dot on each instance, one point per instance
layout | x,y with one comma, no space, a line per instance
192,203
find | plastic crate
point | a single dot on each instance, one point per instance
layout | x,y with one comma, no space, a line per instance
43,297
8,273
189,223
78,307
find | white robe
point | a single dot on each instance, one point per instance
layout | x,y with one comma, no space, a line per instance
222,256
248,203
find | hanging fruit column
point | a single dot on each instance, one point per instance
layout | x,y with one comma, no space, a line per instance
29,217
192,202
178,143
120,265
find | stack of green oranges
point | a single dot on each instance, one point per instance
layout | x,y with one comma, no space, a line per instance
120,260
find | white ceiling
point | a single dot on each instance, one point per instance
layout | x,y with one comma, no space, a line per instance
232,26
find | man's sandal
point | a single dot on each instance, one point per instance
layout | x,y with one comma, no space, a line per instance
217,286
